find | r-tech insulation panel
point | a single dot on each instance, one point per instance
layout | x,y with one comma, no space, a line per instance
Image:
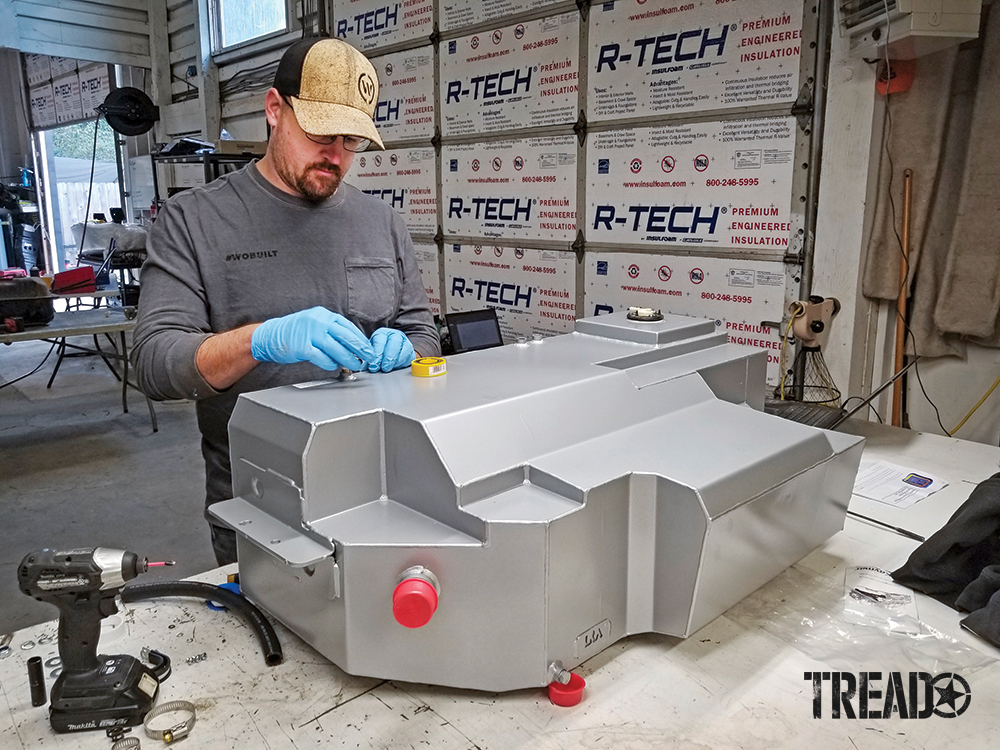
555,163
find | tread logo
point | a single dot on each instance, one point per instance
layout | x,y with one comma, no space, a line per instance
916,695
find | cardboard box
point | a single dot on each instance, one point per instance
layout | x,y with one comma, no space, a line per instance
255,148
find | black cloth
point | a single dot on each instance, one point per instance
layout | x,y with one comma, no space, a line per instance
959,564
977,594
985,622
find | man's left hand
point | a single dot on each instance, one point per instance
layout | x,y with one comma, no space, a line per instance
392,350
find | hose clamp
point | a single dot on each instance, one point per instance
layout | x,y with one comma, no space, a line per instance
179,724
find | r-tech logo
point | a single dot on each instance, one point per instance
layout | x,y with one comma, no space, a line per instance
695,44
493,292
387,110
490,209
395,197
916,695
660,219
370,22
489,86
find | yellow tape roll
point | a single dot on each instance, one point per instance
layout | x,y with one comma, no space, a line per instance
428,367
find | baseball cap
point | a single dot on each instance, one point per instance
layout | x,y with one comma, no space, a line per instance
332,87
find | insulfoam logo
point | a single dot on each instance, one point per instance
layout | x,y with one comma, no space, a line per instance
666,48
370,22
491,85
387,111
494,292
395,198
490,209
660,219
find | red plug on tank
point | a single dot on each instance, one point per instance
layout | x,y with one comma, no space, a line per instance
415,598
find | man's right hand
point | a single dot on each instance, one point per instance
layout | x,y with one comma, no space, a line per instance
316,335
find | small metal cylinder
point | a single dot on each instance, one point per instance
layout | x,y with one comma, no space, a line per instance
36,681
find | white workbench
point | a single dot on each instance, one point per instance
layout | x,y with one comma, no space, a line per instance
737,683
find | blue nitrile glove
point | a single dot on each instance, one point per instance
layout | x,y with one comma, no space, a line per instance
316,335
392,350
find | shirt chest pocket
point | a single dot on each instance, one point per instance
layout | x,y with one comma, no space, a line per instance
371,289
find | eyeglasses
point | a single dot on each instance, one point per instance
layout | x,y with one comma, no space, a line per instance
351,143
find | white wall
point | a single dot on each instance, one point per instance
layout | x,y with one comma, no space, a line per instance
842,206
859,354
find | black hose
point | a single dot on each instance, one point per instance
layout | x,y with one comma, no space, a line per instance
161,589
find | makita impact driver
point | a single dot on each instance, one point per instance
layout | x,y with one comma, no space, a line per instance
92,692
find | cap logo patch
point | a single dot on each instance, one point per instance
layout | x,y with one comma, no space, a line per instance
367,88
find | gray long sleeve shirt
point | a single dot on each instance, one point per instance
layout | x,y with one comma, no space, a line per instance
240,251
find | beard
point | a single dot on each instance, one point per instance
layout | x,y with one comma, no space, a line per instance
310,182
318,187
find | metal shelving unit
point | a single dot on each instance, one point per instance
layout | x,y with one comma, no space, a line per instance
214,164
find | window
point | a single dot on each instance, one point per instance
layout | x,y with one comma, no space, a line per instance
239,21
78,176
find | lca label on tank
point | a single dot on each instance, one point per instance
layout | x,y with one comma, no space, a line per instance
596,638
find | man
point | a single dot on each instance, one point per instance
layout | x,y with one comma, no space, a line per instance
280,273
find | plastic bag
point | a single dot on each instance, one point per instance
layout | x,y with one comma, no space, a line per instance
853,627
128,237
